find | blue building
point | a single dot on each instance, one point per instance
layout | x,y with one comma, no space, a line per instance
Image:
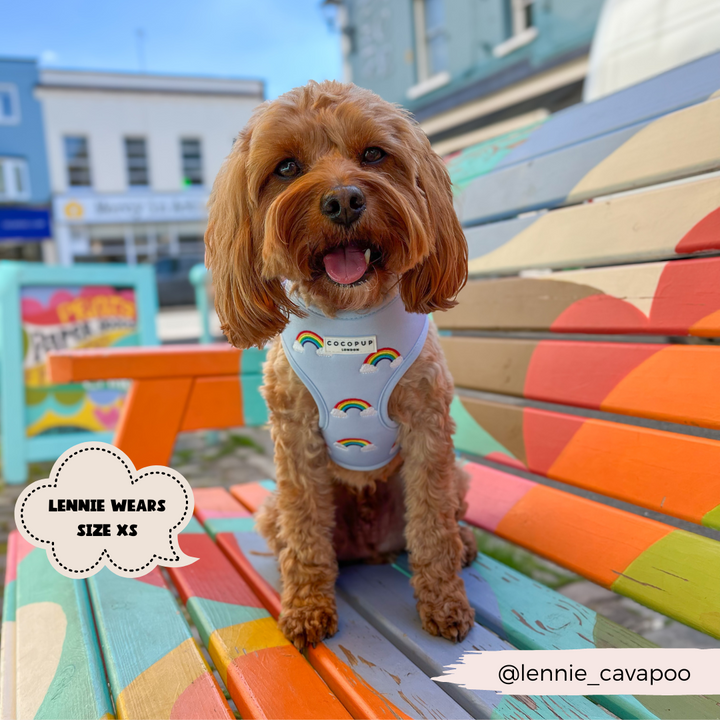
24,180
469,69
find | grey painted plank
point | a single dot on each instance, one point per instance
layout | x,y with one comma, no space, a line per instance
544,182
683,86
383,596
363,648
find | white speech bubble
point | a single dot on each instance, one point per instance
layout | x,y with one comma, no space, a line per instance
87,487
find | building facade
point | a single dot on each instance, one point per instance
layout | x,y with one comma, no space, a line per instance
24,183
469,69
132,159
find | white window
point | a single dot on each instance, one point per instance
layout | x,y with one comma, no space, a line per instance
191,151
14,180
9,104
431,47
137,162
77,159
521,26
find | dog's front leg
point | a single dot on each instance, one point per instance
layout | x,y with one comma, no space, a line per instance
432,533
306,518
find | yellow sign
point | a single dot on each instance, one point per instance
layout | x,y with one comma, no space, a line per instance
74,210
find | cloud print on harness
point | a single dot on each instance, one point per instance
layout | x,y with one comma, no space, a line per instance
373,360
97,471
341,409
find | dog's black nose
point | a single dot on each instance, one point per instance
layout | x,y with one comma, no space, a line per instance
343,205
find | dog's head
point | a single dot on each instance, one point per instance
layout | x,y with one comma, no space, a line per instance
339,192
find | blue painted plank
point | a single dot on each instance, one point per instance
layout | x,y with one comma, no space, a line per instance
543,171
543,182
59,669
678,88
383,596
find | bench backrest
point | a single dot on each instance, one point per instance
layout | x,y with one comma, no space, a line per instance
583,346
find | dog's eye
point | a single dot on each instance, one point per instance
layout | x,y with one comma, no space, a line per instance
288,168
372,155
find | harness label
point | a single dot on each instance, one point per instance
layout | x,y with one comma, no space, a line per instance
350,345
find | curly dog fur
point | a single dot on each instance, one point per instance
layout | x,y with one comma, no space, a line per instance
267,226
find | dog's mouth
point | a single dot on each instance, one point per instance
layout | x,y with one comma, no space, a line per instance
350,264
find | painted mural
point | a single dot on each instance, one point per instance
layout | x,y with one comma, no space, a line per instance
56,318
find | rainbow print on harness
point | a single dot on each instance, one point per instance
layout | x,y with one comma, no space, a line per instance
307,336
347,443
341,409
373,360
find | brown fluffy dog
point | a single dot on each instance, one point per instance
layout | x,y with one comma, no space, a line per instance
270,221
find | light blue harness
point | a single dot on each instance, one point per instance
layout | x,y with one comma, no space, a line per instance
350,364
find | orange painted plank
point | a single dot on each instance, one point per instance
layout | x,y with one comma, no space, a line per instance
151,419
143,362
593,540
251,495
663,471
215,402
676,383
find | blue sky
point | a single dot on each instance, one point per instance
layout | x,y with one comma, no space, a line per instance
284,42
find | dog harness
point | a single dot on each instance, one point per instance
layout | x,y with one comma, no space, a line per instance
350,364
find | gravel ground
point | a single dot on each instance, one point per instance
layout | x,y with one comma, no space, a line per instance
245,455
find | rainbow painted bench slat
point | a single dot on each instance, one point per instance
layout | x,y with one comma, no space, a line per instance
145,641
58,668
264,673
369,675
634,464
663,298
668,221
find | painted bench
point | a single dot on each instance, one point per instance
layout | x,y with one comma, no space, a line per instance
597,449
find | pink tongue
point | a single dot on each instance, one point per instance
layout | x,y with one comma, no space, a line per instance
345,265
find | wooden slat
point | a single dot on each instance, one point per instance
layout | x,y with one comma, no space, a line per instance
651,225
681,297
668,570
154,666
383,596
144,362
58,664
677,383
680,87
8,709
252,495
215,402
674,146
364,670
667,472
264,673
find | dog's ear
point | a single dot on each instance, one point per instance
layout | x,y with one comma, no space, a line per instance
252,309
434,283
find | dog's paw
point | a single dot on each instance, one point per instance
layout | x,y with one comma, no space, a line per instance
469,552
450,617
310,623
